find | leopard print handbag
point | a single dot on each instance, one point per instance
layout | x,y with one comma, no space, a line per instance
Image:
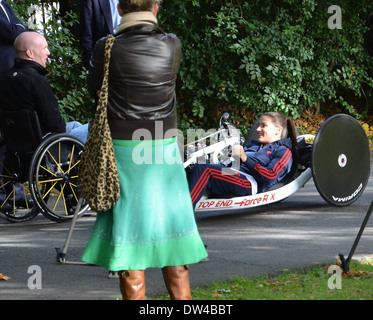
98,174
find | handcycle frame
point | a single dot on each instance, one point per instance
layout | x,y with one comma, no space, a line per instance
339,166
223,146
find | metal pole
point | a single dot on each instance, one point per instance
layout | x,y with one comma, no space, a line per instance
346,263
62,254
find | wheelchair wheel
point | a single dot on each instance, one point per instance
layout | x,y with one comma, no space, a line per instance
53,177
16,204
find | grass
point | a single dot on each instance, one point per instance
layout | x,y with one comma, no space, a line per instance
311,284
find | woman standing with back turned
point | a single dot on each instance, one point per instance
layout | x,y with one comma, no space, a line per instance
153,224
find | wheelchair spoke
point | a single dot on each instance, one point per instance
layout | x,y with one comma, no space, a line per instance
5,176
71,158
26,201
8,197
56,162
64,202
59,197
50,180
59,152
52,173
73,191
50,189
76,163
14,200
5,168
6,183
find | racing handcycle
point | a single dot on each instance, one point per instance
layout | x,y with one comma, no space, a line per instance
337,158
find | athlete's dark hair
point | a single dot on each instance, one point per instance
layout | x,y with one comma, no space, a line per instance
287,125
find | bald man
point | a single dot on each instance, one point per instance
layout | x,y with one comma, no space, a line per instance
32,46
25,86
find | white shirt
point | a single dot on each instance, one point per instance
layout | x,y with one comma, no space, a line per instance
115,14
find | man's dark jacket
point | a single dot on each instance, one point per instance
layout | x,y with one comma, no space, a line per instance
10,28
95,22
25,87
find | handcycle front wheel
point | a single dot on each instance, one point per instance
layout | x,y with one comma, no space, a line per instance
53,176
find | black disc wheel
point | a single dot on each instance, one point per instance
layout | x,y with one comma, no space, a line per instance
341,160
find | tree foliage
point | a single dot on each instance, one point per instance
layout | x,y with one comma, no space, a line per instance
254,56
245,57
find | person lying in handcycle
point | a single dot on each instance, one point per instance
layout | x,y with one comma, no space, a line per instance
264,162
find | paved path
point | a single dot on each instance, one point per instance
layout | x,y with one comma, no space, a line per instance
299,232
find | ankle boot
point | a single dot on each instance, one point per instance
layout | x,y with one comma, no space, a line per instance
177,282
132,284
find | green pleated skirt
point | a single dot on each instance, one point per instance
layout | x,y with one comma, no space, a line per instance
153,224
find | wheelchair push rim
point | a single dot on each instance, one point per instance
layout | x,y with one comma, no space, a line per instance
341,160
53,177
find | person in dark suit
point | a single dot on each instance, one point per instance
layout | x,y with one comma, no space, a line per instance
98,18
10,28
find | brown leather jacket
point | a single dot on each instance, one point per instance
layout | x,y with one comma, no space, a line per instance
142,77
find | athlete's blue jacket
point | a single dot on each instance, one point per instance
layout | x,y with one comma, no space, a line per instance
267,164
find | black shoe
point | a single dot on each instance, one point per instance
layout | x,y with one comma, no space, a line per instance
113,275
7,207
21,203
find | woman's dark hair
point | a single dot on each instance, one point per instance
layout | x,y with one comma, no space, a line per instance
128,6
287,125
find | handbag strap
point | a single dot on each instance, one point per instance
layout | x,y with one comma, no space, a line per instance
102,104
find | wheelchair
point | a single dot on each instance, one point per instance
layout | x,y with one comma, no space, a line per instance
37,174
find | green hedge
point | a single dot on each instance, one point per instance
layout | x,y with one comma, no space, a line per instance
252,56
245,57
